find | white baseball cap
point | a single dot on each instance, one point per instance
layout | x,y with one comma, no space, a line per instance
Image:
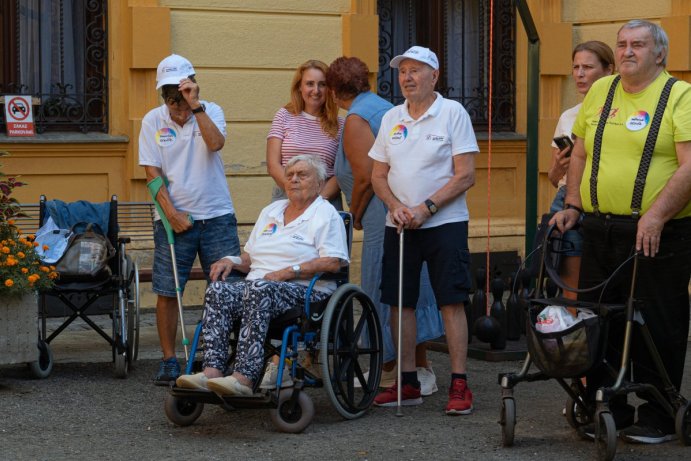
173,69
418,53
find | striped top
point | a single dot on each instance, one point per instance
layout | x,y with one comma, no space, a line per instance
302,134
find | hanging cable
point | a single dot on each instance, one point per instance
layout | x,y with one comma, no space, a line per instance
489,149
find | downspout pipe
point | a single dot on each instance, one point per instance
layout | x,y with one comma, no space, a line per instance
533,107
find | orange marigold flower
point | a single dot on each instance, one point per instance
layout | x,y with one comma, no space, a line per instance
52,268
35,243
33,277
24,270
9,282
5,250
11,262
45,247
44,269
10,222
31,236
20,254
53,275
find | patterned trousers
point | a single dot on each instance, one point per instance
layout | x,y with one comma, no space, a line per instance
254,303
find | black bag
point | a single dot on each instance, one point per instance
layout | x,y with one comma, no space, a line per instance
570,353
86,256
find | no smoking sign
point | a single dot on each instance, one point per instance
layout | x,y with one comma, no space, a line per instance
18,115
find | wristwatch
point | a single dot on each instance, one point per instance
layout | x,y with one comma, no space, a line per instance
296,271
201,108
431,206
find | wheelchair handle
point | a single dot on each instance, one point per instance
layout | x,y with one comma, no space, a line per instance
154,187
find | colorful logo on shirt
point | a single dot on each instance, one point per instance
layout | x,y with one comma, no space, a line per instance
638,121
398,134
270,229
165,137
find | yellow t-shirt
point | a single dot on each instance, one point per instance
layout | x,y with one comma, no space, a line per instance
623,140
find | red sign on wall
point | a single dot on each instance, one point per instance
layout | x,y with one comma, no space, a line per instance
18,116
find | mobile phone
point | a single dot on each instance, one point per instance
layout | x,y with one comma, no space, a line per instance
563,142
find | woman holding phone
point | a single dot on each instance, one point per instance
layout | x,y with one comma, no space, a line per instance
591,60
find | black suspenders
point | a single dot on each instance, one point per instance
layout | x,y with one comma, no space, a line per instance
646,157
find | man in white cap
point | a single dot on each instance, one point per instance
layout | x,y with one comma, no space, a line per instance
181,141
424,163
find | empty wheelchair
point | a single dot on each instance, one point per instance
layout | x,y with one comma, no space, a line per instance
116,293
341,335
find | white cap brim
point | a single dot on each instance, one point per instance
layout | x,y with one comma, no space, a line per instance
169,81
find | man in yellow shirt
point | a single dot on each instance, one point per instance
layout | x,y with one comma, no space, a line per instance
606,176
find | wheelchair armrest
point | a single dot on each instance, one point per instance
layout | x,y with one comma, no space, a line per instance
308,294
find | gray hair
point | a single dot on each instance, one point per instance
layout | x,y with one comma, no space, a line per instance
313,161
657,32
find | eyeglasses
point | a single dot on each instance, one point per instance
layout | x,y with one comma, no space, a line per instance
177,99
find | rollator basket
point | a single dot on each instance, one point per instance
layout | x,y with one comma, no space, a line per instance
569,353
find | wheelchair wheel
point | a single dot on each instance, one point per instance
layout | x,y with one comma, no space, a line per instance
507,419
683,424
133,312
182,411
606,436
351,344
121,365
42,367
289,417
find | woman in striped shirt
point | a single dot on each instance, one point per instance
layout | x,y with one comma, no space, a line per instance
308,124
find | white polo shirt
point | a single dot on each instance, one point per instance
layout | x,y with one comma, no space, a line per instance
317,233
420,155
197,180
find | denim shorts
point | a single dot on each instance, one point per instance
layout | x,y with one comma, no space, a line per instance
572,241
211,239
444,248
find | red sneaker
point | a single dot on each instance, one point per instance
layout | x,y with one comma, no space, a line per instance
460,398
389,398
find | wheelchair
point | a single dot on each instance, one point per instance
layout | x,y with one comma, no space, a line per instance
116,294
342,333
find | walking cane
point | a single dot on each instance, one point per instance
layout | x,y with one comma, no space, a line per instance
154,186
399,411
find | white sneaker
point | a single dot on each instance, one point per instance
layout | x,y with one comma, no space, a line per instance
271,376
428,380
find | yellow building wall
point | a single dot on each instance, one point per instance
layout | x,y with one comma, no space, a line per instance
245,54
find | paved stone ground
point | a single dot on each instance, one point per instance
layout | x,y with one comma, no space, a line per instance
81,412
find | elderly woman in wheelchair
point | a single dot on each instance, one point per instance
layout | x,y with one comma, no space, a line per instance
296,292
292,241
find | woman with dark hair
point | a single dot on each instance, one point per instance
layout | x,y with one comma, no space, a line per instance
347,79
308,124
